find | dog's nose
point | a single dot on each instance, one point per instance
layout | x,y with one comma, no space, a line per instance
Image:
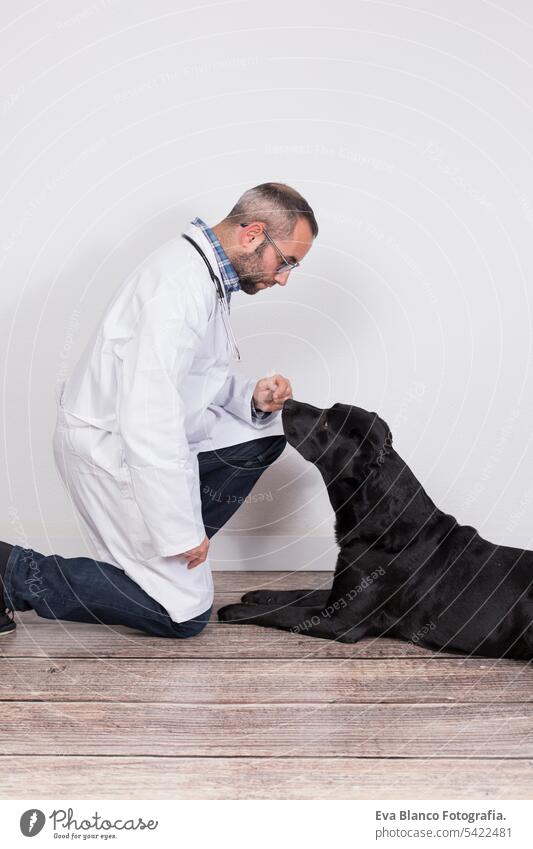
289,405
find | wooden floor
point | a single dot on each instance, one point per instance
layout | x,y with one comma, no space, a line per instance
90,711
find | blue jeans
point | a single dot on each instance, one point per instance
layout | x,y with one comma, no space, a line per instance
83,590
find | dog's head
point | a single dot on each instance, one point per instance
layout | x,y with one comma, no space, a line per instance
375,495
344,442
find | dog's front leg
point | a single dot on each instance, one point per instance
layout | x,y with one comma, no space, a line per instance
310,621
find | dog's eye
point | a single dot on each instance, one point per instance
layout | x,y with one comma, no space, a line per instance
324,424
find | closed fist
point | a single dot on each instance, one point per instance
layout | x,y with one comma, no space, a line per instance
271,393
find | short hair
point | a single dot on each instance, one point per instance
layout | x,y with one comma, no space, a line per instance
277,204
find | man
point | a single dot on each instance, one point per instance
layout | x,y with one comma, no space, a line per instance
156,441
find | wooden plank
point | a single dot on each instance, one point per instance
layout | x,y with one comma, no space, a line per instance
427,731
243,582
54,638
30,777
37,637
414,681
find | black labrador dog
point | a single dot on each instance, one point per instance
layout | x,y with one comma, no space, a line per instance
405,569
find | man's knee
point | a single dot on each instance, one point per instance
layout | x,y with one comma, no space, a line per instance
192,627
271,449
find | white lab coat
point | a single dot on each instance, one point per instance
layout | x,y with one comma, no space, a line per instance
151,390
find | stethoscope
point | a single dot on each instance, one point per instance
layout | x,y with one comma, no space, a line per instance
222,299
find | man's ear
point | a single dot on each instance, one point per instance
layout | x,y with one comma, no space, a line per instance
249,235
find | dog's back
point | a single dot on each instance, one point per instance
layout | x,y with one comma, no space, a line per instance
445,587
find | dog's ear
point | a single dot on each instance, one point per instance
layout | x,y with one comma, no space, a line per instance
376,435
386,431
373,445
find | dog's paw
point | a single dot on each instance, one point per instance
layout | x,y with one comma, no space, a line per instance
234,613
259,597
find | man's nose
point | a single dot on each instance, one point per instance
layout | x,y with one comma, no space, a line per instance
282,278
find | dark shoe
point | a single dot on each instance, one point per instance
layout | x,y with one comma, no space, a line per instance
7,622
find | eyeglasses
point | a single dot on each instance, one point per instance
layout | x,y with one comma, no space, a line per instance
286,265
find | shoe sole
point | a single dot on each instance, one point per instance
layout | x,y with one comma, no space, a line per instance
5,631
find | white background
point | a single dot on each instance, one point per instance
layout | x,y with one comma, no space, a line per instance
409,129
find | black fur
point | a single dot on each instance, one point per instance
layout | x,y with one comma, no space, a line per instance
405,569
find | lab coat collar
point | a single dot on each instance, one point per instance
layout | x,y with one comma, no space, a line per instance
227,272
202,241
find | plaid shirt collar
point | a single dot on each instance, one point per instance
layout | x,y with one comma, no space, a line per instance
227,272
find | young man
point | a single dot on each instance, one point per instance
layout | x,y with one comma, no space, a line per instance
156,441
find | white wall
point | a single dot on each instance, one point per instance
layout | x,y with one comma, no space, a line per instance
408,128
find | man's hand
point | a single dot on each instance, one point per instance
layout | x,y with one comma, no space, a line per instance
271,393
196,555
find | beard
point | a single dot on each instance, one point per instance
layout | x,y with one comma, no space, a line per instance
250,271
